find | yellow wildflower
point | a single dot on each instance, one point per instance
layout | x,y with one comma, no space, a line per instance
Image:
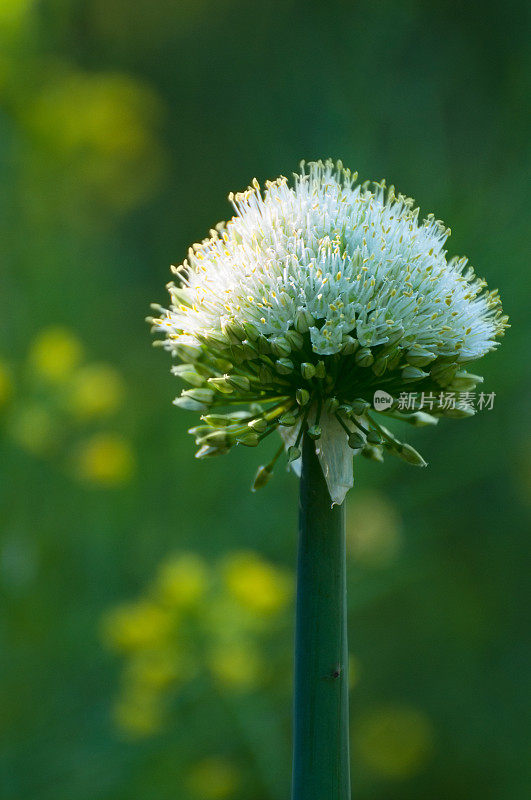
106,459
236,665
96,390
182,580
136,626
54,353
394,740
213,778
138,714
257,585
374,532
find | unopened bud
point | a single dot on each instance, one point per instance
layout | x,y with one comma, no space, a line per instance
411,455
413,374
284,366
201,395
288,419
261,478
307,370
320,370
314,431
259,425
303,321
249,438
189,404
302,396
349,345
364,357
359,406
280,346
239,382
419,357
293,453
294,339
356,440
222,385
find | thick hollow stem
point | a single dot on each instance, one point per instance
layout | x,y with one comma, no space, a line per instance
321,740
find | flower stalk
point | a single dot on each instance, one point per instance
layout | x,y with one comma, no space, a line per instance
321,720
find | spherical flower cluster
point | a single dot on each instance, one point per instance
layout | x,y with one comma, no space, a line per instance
309,299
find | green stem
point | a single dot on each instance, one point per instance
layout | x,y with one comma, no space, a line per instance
321,740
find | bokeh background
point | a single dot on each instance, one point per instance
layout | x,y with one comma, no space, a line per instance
147,598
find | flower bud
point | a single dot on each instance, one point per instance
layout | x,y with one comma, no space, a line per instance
307,370
189,404
280,346
188,374
350,345
261,478
303,321
206,451
320,370
284,366
356,440
288,419
265,375
314,431
364,357
239,382
222,385
201,395
413,374
465,381
302,396
293,453
419,357
380,365
249,438
412,456
259,425
359,406
295,340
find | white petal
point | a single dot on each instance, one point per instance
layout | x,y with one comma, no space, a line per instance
333,452
335,457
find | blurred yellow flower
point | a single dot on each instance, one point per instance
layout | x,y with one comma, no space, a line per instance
394,740
182,580
236,665
138,714
32,428
101,128
255,584
373,529
106,459
54,353
154,669
213,778
138,625
6,384
95,391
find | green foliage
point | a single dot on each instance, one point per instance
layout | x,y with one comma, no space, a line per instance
123,126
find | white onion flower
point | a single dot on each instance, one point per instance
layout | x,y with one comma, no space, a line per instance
309,299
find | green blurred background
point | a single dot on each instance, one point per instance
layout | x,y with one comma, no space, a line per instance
146,622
